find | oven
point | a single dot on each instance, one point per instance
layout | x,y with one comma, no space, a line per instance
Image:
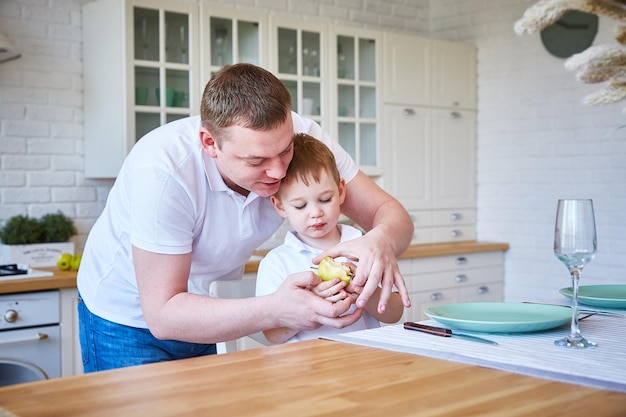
30,340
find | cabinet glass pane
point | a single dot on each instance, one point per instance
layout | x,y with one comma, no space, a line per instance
347,138
221,41
367,102
287,51
146,33
345,57
311,54
292,87
145,122
172,117
345,100
248,42
177,88
146,83
367,60
310,99
367,145
177,38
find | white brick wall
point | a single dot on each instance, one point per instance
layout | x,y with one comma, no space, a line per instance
536,142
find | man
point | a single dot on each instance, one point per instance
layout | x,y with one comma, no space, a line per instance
184,212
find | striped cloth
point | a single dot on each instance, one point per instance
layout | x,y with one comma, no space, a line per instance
532,354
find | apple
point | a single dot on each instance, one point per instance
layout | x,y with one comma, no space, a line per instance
329,269
64,261
75,262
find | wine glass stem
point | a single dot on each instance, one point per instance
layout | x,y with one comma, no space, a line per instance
575,330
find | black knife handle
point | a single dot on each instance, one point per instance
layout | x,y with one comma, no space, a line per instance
409,325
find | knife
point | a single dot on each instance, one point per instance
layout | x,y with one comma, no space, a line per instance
440,331
581,310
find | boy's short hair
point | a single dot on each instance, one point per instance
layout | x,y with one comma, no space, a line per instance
310,158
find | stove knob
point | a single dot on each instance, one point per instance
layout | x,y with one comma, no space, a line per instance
10,316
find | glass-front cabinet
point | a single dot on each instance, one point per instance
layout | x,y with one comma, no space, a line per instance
355,113
161,67
140,61
229,36
298,58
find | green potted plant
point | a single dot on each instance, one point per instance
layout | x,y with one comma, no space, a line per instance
37,242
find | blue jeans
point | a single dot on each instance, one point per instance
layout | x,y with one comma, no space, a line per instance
107,345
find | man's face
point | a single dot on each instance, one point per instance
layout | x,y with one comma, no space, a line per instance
252,160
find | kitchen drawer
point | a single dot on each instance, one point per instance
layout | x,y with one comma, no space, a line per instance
453,279
454,217
421,300
421,218
422,235
453,262
457,233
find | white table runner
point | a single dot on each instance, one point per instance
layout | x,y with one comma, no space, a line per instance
532,354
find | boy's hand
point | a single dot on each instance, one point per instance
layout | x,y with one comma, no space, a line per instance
333,290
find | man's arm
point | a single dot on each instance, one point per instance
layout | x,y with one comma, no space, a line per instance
389,231
173,313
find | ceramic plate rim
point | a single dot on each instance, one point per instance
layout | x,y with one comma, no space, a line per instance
595,300
555,316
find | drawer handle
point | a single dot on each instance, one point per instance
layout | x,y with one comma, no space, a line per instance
460,278
408,112
461,260
456,216
436,296
31,338
456,233
482,290
455,115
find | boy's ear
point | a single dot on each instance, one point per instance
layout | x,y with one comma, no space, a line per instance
278,206
342,191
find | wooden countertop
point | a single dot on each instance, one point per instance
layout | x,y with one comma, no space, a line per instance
312,378
67,279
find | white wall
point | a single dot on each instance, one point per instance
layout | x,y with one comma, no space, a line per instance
536,142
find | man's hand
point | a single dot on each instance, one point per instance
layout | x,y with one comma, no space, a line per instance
376,264
299,308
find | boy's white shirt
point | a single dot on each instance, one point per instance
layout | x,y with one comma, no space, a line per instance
295,256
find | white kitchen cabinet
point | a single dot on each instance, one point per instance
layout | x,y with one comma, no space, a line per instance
408,69
430,135
430,169
453,75
474,277
299,58
230,36
355,103
71,358
429,72
138,58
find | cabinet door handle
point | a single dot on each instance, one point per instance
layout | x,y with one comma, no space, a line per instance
456,216
409,112
436,296
482,290
460,278
455,233
461,260
455,115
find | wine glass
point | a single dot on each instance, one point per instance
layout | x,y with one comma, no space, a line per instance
575,245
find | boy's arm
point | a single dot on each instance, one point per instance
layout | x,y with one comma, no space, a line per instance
394,311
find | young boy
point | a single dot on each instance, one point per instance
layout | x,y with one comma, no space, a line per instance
310,197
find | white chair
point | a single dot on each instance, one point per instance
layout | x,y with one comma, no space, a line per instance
239,288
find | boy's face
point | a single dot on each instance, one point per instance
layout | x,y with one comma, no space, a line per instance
312,210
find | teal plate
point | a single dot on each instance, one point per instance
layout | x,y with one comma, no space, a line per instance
500,317
607,296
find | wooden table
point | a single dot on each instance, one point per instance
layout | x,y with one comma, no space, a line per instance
312,378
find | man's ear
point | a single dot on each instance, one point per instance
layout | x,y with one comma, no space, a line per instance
208,142
278,205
